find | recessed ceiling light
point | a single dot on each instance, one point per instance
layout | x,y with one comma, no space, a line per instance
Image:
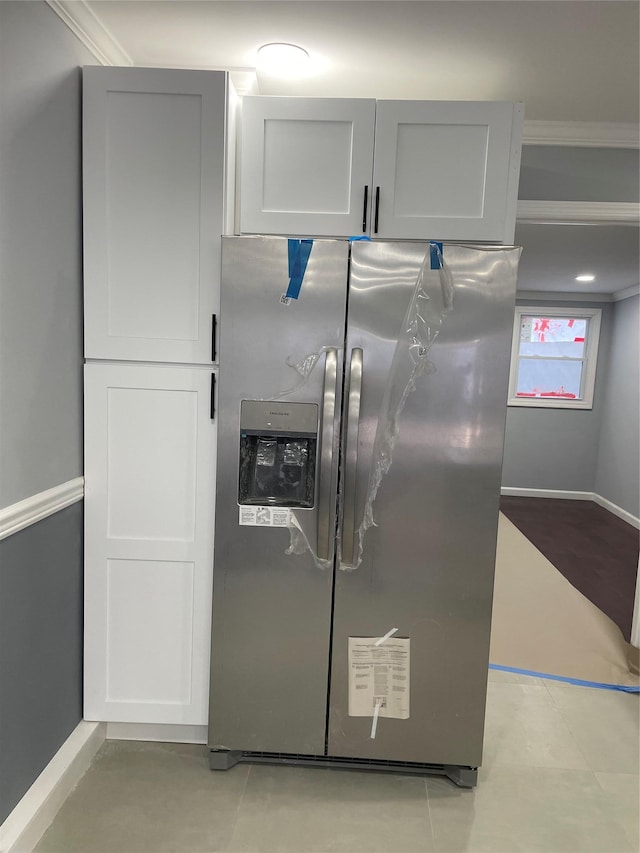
282,60
586,277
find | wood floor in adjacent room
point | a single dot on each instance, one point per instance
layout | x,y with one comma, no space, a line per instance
596,551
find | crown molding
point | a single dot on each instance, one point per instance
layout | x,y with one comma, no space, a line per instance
85,24
562,296
24,513
627,293
576,212
573,296
582,134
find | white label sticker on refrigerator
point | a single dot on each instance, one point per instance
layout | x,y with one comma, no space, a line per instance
264,516
379,676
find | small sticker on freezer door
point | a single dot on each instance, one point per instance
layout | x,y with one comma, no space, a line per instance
264,516
379,677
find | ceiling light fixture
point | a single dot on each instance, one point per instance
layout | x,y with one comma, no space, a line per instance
586,277
282,60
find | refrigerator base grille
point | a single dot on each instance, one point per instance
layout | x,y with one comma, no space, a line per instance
463,776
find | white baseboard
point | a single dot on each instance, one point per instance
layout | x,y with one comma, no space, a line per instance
26,824
617,510
546,493
635,624
573,496
161,732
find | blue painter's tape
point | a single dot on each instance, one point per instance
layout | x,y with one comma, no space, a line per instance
435,250
299,251
363,237
294,248
578,681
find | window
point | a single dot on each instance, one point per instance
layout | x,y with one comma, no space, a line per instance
553,358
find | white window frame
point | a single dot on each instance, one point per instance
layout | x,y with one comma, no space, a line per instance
589,359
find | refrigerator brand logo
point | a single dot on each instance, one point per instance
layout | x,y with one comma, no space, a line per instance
280,414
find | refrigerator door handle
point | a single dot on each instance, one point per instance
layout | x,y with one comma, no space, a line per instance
325,500
348,555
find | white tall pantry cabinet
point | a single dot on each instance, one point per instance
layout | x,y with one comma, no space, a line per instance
157,154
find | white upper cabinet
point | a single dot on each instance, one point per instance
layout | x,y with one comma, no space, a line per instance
446,170
442,170
306,165
155,160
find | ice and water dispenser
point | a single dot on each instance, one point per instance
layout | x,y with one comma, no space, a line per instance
277,453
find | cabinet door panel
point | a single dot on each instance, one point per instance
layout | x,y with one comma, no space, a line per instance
150,615
139,506
152,135
149,509
154,160
447,170
305,164
289,182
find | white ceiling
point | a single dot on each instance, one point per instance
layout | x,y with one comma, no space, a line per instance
573,61
553,255
567,61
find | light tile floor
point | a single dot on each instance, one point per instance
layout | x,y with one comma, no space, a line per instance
560,774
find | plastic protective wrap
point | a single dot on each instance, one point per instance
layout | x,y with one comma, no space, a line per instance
298,537
299,543
303,369
422,323
276,470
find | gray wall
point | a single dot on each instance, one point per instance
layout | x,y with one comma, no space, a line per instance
40,387
40,251
40,647
578,174
618,462
558,448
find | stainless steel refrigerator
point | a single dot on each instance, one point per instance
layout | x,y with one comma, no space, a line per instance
362,401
